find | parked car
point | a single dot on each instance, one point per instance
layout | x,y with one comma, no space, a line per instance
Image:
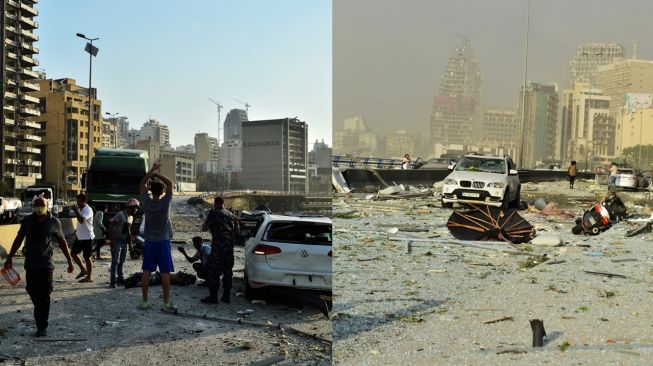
435,163
289,251
482,179
626,178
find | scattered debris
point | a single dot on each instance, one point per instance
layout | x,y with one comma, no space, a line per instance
537,325
498,320
606,274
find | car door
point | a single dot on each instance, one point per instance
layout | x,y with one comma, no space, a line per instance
601,176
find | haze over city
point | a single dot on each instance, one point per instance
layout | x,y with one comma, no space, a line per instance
389,56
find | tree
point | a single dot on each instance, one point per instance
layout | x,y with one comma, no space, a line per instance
632,155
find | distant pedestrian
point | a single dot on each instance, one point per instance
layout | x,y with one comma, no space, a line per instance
571,171
613,175
157,233
99,230
223,227
120,236
83,238
201,257
406,162
40,231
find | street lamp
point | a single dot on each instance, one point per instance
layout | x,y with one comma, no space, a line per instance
92,51
115,128
523,109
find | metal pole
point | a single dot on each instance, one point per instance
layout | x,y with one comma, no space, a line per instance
523,110
65,159
90,107
640,138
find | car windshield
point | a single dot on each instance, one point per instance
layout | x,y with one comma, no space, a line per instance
474,164
300,232
111,182
625,171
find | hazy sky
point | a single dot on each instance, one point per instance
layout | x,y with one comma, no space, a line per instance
389,56
165,58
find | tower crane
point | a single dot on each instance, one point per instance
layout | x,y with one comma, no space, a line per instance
219,108
246,106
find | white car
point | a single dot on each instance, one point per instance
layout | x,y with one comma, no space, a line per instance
482,179
626,178
289,251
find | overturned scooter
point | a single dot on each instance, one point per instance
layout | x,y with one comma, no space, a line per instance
601,216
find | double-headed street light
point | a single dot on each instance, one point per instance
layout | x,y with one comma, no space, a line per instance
115,128
92,51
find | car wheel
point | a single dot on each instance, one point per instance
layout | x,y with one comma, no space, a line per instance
250,293
447,205
515,203
505,203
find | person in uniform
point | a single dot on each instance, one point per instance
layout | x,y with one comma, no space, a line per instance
223,226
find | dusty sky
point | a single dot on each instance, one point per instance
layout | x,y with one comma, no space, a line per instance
388,56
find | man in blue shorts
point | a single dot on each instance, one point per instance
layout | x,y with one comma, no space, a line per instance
158,233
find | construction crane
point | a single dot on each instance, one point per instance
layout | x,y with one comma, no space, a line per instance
219,107
246,106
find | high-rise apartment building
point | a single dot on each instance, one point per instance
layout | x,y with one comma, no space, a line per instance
400,143
155,131
624,76
110,134
178,166
233,124
64,117
320,155
206,147
355,139
275,155
587,59
500,126
230,159
455,109
587,130
539,138
20,166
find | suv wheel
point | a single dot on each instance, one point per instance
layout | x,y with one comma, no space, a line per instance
515,203
505,203
447,204
250,293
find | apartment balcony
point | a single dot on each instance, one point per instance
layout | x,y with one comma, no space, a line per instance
35,175
11,42
28,137
27,86
10,72
29,150
27,111
11,161
28,10
10,148
29,98
9,135
10,15
10,175
12,3
10,95
30,124
29,35
28,23
29,48
8,107
27,61
28,74
12,56
9,122
31,162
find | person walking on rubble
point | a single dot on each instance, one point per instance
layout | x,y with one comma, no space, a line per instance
571,171
40,231
613,175
120,236
83,238
99,230
157,233
223,227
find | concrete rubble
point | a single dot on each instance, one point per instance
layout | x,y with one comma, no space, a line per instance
423,299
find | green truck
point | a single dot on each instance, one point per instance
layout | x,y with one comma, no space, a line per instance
114,177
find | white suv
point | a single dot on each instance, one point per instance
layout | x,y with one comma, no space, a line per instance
289,251
490,180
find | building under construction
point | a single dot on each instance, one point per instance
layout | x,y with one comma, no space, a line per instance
455,108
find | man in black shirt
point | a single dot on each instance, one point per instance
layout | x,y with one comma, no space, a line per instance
40,231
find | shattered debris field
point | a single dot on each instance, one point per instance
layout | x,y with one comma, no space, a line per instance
92,324
406,292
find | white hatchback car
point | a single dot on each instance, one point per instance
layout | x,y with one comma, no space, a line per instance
482,179
289,251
